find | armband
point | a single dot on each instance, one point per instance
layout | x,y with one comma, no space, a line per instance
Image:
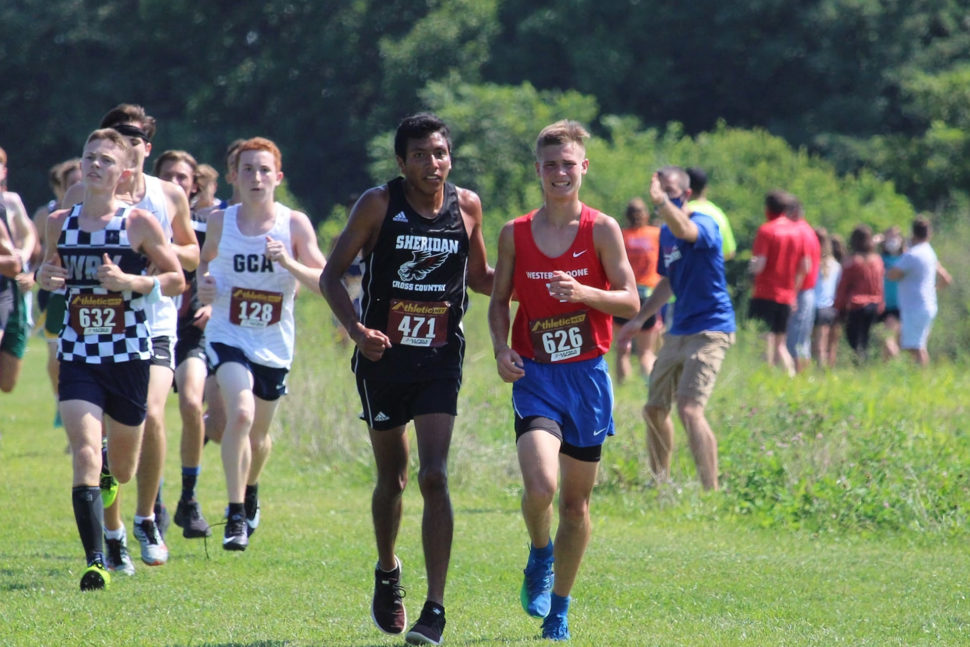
156,294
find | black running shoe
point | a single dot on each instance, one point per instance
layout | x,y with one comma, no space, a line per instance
252,513
387,608
235,537
188,517
430,625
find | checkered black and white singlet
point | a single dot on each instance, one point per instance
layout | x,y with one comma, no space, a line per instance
81,254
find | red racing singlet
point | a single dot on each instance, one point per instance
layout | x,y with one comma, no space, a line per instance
545,329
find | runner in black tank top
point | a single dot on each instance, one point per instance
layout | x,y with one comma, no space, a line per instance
421,239
414,290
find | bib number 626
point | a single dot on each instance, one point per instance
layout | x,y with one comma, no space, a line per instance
562,340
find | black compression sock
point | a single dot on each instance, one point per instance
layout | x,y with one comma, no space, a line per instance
89,515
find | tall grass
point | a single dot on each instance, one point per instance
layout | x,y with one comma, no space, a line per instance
841,520
881,446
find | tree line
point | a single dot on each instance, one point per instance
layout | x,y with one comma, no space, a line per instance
853,102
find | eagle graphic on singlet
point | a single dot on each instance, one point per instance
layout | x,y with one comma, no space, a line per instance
420,265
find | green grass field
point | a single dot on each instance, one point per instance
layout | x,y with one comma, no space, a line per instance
842,521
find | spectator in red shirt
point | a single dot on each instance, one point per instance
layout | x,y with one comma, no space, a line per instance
779,263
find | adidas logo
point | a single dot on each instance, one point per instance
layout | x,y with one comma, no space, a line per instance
381,417
400,217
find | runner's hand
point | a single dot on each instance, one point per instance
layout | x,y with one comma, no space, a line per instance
509,365
372,343
207,289
111,277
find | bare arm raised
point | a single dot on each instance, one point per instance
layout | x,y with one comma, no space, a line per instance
676,218
307,261
621,299
146,236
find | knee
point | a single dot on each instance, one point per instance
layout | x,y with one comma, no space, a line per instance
690,412
240,420
574,511
540,492
392,484
433,480
124,470
654,415
190,407
87,458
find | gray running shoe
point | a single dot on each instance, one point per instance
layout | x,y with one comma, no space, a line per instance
116,556
154,552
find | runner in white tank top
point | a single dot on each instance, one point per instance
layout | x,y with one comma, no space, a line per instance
253,310
249,338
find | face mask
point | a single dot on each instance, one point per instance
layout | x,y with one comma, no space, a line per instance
678,202
893,245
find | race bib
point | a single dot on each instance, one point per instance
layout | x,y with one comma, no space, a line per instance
251,308
561,337
97,314
418,323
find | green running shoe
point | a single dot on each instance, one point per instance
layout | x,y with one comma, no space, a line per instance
95,577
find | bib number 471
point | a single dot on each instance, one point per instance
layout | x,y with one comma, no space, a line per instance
417,327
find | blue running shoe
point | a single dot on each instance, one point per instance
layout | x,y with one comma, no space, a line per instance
537,583
555,626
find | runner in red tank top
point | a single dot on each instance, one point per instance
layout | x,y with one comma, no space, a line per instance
569,268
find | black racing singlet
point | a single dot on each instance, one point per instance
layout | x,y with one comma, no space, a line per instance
414,290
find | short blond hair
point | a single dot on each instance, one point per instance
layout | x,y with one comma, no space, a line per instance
563,131
112,135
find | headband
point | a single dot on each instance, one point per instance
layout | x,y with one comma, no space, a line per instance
130,130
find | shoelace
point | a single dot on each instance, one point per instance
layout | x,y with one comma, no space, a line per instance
530,571
150,537
114,550
395,589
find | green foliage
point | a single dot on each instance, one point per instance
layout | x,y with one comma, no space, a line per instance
494,128
452,39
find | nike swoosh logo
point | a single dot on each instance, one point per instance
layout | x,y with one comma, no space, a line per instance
599,431
578,254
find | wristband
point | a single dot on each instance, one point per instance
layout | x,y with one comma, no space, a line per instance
156,294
